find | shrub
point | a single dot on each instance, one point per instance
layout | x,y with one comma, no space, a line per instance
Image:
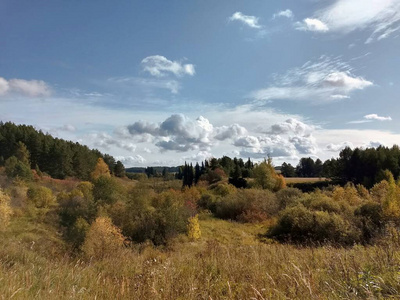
208,201
76,204
324,203
288,197
154,217
40,197
247,206
193,228
103,239
77,233
224,189
5,210
300,225
106,190
371,221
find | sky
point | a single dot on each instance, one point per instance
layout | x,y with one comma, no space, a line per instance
163,82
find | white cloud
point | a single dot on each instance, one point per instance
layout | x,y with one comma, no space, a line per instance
4,86
67,127
372,144
130,161
310,24
177,133
160,66
285,139
284,13
30,88
106,141
250,21
229,132
339,97
338,147
380,17
327,79
292,126
376,117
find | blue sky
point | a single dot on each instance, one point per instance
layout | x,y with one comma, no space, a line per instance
163,82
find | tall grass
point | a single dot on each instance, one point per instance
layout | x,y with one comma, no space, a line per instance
34,264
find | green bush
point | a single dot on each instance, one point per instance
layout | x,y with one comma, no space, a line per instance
155,217
288,197
40,196
251,205
371,220
301,225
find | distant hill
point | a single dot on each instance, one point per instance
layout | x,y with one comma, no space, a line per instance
56,157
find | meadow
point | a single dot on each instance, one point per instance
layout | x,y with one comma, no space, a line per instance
231,259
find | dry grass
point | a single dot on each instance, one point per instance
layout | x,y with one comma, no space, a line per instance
227,263
304,179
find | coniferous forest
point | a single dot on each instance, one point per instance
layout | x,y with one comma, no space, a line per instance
75,224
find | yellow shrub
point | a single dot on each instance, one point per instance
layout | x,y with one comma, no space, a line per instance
193,229
103,239
5,210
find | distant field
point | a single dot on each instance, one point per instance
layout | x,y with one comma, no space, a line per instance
304,179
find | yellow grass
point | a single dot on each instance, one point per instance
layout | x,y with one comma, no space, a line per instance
228,262
304,179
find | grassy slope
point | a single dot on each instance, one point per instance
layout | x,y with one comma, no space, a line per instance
227,263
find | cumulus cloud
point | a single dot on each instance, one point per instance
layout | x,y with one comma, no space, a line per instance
129,161
372,144
292,126
377,118
310,24
285,139
229,132
177,133
30,88
338,147
380,17
105,141
160,66
284,13
250,21
324,80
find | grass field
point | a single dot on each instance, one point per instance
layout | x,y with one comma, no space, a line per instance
228,262
304,179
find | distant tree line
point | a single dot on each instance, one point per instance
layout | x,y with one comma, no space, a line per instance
307,167
56,157
214,169
359,166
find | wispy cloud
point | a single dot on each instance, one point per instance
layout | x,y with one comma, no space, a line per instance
30,88
371,118
377,118
152,83
250,21
160,66
284,13
324,80
380,17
